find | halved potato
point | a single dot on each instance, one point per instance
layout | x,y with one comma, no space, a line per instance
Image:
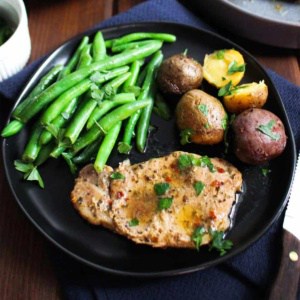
223,66
246,96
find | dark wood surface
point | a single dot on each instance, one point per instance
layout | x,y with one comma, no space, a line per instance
25,270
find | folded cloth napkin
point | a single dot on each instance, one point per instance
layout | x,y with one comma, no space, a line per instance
246,276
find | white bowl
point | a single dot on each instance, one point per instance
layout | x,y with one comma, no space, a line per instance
15,52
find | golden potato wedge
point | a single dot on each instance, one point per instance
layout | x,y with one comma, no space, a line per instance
223,66
246,96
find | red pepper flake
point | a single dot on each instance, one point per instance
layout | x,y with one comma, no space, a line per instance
216,183
119,195
168,179
212,215
220,170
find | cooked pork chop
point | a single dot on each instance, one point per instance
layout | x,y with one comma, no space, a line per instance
161,202
91,197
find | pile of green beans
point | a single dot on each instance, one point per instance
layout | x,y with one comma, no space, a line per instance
100,98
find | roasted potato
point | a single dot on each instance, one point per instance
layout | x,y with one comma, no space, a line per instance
246,96
223,66
201,118
259,136
179,74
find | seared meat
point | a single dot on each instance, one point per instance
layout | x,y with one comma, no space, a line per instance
162,201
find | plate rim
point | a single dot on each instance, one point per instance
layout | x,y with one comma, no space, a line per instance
148,274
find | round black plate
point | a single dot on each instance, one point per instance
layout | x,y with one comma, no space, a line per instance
51,212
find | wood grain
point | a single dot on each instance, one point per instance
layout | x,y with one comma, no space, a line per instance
25,271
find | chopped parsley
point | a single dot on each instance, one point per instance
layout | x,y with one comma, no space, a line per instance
265,171
224,122
187,161
203,108
124,148
164,203
199,186
161,188
267,130
218,243
197,236
220,54
206,162
225,90
133,222
117,175
234,67
185,136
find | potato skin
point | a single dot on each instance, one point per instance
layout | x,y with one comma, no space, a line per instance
179,74
246,96
253,146
204,115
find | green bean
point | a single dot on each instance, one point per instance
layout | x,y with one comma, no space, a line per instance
98,47
73,61
85,58
99,78
80,118
103,126
32,147
62,101
74,78
44,153
134,70
127,46
106,146
112,86
107,105
12,128
147,85
143,126
88,153
43,83
58,150
144,35
108,43
58,122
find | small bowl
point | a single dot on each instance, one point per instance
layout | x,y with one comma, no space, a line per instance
15,52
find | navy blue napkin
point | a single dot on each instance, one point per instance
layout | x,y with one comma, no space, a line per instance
246,276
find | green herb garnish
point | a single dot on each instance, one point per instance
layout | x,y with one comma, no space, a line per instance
164,203
225,90
265,171
203,108
197,236
161,108
199,186
161,188
219,243
267,130
234,67
133,222
206,162
117,175
185,136
68,159
220,54
124,148
224,122
187,161
184,162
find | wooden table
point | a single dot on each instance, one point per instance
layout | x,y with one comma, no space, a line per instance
25,271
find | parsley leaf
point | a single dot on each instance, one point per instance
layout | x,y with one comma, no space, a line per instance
197,236
133,222
34,175
161,188
117,175
68,158
224,122
203,108
161,108
164,203
219,243
185,136
220,54
225,90
23,167
184,162
199,186
124,148
234,67
136,90
267,130
206,162
265,171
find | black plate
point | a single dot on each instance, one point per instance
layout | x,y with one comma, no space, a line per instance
52,213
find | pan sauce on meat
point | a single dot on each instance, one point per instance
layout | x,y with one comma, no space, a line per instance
162,201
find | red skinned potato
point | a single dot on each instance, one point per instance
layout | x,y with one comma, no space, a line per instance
259,136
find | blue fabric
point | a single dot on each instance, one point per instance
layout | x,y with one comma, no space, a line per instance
246,276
